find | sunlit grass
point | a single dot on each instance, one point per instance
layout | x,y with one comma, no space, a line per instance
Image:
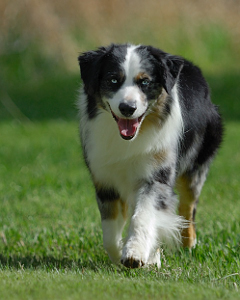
51,239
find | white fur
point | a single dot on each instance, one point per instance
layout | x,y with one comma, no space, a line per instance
112,237
148,228
131,64
121,164
117,162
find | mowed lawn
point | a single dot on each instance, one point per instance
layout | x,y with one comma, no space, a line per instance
50,232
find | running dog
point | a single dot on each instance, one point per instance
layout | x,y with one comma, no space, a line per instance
147,126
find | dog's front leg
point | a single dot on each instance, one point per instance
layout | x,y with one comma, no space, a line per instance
113,215
153,221
112,238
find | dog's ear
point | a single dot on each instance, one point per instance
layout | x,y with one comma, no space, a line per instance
90,65
169,65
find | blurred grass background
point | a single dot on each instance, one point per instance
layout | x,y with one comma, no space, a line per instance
40,42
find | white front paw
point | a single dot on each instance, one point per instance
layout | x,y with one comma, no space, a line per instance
132,262
114,252
133,257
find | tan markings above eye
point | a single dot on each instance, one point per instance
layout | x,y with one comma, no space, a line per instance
141,76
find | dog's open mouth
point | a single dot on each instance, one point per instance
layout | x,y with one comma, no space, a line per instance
127,127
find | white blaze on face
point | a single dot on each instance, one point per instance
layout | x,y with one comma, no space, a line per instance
129,92
131,65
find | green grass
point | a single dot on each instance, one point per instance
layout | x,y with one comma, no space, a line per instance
51,240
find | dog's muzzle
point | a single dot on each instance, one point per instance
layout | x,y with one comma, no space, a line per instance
127,126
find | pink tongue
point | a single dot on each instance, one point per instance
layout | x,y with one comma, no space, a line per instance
128,127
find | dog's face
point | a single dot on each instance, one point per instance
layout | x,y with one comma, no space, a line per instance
126,81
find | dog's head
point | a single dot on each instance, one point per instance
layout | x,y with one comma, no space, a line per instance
126,80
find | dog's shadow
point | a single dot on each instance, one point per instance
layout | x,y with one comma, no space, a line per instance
49,262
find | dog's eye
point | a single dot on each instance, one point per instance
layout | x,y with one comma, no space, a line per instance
145,82
114,80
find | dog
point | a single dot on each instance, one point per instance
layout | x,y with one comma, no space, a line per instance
147,125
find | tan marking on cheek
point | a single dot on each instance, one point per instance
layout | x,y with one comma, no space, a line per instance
186,207
156,116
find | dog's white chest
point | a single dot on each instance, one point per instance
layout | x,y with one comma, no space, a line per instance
114,161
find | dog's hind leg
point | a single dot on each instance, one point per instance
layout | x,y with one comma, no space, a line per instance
113,216
189,186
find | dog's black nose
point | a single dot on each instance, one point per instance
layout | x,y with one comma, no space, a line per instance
127,109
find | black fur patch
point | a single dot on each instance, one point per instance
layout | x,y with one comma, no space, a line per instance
212,139
168,106
162,176
107,194
92,107
200,115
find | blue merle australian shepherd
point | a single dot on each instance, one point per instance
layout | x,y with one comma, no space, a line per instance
147,126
